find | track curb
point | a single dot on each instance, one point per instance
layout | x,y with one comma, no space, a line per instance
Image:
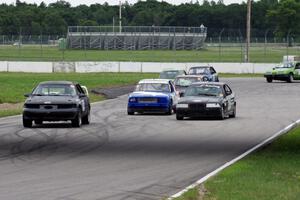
224,166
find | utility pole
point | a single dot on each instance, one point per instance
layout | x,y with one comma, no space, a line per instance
247,57
120,17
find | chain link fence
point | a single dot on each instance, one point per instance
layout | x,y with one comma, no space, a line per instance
221,45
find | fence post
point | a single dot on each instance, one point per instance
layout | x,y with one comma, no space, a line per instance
220,37
266,41
288,42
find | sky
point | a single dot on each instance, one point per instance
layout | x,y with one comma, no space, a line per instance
111,2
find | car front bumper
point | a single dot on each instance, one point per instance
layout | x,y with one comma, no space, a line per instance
207,112
151,107
50,115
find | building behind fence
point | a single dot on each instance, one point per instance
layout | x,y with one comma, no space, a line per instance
136,37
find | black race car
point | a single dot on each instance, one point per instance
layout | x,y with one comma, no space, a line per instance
57,101
207,100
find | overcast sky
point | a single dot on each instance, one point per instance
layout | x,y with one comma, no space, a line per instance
88,2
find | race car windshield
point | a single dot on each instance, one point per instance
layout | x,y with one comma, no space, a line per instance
186,81
285,65
55,90
204,90
200,70
153,87
168,74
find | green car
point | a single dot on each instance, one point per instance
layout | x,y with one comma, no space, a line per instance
284,72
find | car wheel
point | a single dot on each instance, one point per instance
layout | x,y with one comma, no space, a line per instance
38,122
179,117
77,121
290,78
222,116
269,79
27,123
130,113
86,119
233,114
170,109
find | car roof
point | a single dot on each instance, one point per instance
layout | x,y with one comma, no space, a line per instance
209,83
164,81
59,82
190,76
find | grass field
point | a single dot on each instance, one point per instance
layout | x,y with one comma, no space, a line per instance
272,173
210,54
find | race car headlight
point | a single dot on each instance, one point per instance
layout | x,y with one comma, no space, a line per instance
132,100
213,105
182,105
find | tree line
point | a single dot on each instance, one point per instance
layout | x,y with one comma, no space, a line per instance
280,16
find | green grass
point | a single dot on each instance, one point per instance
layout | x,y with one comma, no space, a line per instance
230,75
272,173
192,194
10,112
14,85
210,54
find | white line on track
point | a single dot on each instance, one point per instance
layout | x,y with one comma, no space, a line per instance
216,171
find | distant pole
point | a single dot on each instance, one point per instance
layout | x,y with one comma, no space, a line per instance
120,17
113,24
247,57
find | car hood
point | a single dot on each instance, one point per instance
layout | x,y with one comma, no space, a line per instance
200,100
51,99
149,94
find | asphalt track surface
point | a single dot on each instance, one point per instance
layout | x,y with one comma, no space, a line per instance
137,157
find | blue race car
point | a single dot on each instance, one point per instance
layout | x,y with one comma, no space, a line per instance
208,73
153,95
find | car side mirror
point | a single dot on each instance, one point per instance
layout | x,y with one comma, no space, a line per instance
81,95
181,94
228,93
27,95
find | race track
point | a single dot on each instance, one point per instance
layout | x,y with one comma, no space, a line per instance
137,157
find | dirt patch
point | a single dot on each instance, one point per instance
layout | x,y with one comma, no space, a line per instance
10,106
114,92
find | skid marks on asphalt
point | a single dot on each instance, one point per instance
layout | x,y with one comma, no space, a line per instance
37,144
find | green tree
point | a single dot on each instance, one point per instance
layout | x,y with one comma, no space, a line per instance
287,17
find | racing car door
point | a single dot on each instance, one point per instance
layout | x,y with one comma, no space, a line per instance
229,98
297,71
84,100
174,94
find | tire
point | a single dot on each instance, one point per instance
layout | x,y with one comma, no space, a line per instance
130,113
86,119
38,122
269,79
222,116
233,115
27,123
77,121
290,78
179,117
170,109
